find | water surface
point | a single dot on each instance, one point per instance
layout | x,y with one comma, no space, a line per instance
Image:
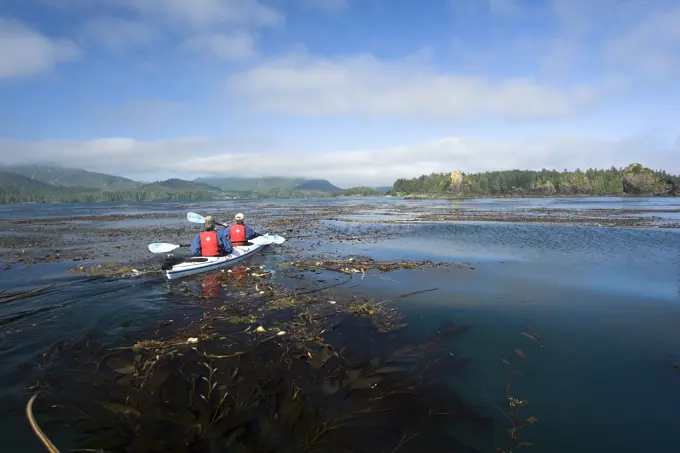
605,303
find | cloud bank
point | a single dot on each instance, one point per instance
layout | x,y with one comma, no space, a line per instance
192,157
26,52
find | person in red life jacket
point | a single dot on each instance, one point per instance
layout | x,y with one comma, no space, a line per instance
239,233
211,242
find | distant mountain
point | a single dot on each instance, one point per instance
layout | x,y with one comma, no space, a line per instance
361,191
72,177
15,181
383,189
181,185
238,184
320,185
16,188
52,183
272,184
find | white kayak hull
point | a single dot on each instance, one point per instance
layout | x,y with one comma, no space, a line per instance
197,265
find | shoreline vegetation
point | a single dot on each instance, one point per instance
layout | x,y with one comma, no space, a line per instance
453,196
37,184
634,180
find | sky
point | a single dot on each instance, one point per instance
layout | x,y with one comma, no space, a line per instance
360,92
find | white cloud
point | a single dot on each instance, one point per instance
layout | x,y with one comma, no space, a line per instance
25,52
221,28
118,34
201,156
365,85
238,45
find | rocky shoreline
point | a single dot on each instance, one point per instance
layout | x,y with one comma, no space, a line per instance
453,196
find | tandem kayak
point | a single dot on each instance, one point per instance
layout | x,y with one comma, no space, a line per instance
178,267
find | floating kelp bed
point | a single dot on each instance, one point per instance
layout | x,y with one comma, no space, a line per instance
6,297
270,372
362,264
108,269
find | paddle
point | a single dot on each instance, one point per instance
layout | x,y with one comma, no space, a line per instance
164,247
198,218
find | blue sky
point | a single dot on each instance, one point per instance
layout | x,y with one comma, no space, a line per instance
359,92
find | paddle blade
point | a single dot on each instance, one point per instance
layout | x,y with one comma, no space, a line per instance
267,239
262,240
161,247
195,218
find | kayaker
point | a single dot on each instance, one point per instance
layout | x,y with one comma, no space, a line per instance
240,233
211,242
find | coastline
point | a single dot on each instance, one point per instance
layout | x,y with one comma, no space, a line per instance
413,196
444,196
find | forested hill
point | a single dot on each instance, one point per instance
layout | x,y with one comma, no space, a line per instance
45,184
72,177
634,179
270,186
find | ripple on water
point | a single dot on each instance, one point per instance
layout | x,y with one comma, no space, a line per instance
636,261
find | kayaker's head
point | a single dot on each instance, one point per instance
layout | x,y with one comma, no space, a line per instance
240,218
209,223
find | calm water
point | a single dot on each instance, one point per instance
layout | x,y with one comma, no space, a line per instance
605,302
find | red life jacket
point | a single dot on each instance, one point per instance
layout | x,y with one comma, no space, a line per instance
209,243
237,234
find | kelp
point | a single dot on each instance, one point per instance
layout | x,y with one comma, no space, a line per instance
111,270
11,297
362,265
269,372
514,414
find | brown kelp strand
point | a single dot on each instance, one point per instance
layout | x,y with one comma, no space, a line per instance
114,270
11,297
361,265
514,409
265,370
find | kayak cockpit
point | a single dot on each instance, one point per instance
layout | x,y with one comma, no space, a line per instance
175,267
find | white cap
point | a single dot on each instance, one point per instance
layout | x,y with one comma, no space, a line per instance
239,216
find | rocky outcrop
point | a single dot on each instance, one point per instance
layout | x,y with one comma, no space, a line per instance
576,183
638,180
544,188
456,178
456,185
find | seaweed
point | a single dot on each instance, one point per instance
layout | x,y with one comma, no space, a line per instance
517,421
271,371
